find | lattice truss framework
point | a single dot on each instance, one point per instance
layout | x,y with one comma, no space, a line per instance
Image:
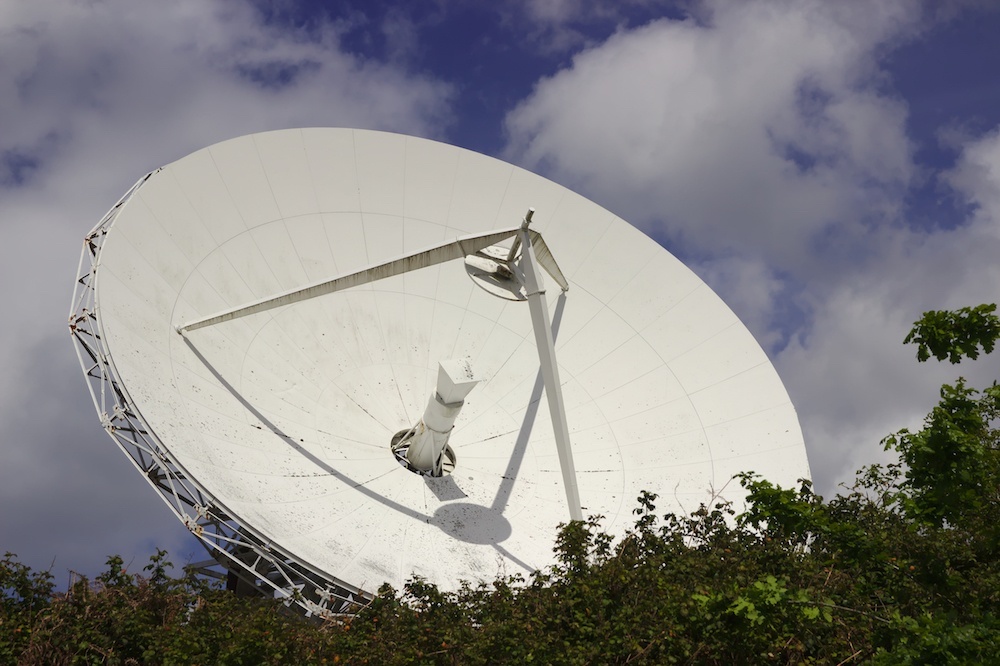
234,547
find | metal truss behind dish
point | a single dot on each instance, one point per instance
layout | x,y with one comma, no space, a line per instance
239,552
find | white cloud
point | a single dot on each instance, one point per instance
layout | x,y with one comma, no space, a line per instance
200,70
760,141
755,287
92,96
977,176
848,372
756,131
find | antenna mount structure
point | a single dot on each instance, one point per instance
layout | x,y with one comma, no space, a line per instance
287,335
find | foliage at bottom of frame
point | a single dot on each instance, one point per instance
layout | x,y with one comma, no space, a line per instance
903,568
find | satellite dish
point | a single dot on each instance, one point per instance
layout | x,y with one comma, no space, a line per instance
332,353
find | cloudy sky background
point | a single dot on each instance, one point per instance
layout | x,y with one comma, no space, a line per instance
832,169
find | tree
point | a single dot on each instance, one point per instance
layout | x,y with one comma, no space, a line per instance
952,465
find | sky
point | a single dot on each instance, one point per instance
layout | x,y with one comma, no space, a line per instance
831,169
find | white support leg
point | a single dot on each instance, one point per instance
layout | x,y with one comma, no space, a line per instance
550,371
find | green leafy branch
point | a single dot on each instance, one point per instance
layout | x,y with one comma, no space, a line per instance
955,334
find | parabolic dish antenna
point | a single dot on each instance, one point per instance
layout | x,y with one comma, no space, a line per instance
390,414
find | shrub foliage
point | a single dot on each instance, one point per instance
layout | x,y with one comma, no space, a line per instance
902,568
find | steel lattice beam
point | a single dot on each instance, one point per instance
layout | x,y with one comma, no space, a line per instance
233,546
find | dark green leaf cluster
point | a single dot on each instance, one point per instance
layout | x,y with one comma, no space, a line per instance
125,618
24,598
955,334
